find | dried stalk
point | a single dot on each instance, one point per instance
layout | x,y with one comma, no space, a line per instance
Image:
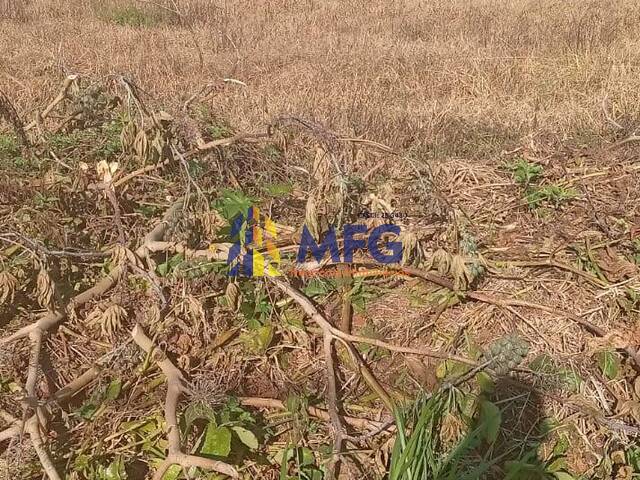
62,95
175,388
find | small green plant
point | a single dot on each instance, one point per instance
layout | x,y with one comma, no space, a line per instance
231,426
233,203
219,130
8,147
551,194
128,16
112,145
524,172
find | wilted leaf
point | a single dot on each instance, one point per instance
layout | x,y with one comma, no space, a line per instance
311,218
217,441
233,296
8,285
44,288
198,411
247,437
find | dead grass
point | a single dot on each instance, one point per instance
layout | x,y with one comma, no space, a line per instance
464,78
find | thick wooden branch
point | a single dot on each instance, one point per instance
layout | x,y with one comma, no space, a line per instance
175,388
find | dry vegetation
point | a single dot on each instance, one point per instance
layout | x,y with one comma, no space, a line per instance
504,132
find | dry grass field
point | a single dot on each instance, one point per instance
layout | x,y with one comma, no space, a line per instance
499,135
467,77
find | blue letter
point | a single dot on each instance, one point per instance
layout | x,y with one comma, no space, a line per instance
395,247
307,242
350,243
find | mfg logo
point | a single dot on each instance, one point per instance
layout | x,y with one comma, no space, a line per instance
254,253
329,244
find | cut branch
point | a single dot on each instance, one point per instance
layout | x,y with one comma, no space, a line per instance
175,388
62,95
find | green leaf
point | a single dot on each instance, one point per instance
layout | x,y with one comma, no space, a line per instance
490,420
451,368
561,446
563,476
196,411
609,364
217,441
88,410
258,339
172,473
233,203
569,379
115,471
485,382
113,390
247,437
316,287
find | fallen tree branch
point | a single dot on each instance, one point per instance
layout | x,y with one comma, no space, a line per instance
62,95
175,388
36,331
324,324
33,425
224,142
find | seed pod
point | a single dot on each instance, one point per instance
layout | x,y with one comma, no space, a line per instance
506,353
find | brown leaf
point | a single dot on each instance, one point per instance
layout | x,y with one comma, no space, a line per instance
614,266
44,289
8,285
422,371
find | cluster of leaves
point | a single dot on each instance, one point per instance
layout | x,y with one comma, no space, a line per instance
360,291
103,142
527,174
9,152
231,426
